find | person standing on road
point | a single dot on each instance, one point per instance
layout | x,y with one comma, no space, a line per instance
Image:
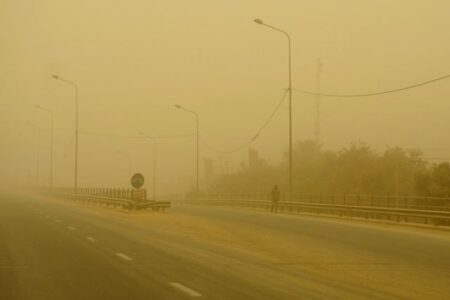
275,197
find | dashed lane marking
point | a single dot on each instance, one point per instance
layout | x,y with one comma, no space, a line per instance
57,221
123,256
90,238
70,228
185,289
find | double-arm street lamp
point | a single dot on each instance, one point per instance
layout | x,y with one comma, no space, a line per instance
51,140
76,126
260,22
196,119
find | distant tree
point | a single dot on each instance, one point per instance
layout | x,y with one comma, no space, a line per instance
440,180
423,183
399,170
313,167
356,169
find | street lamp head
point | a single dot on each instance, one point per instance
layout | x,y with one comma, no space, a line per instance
54,76
177,106
258,21
37,106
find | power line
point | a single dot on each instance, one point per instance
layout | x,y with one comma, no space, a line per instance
374,93
136,137
258,132
176,136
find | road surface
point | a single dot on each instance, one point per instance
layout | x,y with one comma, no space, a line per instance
58,249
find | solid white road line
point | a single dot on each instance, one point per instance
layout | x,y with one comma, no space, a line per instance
90,238
123,256
185,289
70,228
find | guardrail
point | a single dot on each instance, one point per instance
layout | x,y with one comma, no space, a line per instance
392,201
118,198
408,215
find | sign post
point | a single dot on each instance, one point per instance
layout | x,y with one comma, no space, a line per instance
137,181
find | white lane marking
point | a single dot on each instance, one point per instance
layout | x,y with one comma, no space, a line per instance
90,238
185,289
47,216
70,228
57,221
123,256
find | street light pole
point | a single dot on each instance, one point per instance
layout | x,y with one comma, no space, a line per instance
260,22
154,164
154,170
76,127
38,130
128,160
51,141
197,121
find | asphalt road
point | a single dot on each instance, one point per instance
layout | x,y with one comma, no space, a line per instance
57,249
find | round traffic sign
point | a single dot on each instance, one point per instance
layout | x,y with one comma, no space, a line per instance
137,180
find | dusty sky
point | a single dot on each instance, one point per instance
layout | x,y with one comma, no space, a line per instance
133,60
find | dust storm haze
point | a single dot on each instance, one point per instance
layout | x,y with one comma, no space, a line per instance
134,60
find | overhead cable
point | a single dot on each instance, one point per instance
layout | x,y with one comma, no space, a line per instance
258,132
136,136
374,93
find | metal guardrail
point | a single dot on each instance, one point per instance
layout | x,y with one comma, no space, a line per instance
117,198
437,218
371,200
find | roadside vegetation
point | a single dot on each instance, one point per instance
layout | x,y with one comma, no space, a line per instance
356,169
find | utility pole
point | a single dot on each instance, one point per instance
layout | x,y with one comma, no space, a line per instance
197,188
154,169
397,184
38,152
318,81
51,140
289,69
75,86
155,153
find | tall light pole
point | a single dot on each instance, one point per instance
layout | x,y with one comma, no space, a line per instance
260,22
38,153
196,119
76,127
51,141
128,160
154,164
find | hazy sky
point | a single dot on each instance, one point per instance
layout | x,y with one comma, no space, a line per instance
133,60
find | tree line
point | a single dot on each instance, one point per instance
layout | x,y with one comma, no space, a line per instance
355,169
